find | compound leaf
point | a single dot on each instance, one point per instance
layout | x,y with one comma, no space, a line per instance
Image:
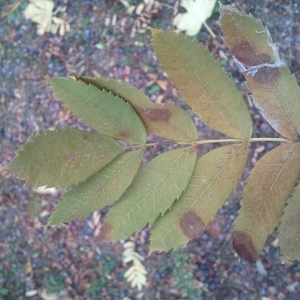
215,176
267,188
101,110
63,157
289,229
274,89
99,190
164,120
151,193
203,83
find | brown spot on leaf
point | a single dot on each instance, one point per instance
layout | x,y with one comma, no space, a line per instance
156,114
247,55
191,225
85,137
104,233
124,135
267,75
243,245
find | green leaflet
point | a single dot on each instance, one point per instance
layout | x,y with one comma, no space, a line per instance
274,89
289,229
203,83
101,110
215,176
164,120
151,193
267,188
99,190
63,157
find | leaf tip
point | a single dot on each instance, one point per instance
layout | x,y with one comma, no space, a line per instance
153,30
243,245
105,233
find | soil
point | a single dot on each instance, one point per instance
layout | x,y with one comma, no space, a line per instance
66,262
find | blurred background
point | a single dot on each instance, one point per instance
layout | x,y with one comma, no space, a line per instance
41,38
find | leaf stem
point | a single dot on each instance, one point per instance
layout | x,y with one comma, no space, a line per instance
251,140
219,141
280,140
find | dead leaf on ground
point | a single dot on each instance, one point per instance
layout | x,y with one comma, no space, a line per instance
41,12
197,12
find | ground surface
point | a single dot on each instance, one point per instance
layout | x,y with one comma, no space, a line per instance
65,261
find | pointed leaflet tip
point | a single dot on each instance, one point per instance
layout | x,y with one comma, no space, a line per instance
243,245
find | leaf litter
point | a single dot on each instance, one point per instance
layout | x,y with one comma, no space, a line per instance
47,112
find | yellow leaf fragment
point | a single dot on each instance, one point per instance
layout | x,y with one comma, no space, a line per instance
267,188
40,12
197,12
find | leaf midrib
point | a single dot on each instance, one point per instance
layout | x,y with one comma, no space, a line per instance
63,158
